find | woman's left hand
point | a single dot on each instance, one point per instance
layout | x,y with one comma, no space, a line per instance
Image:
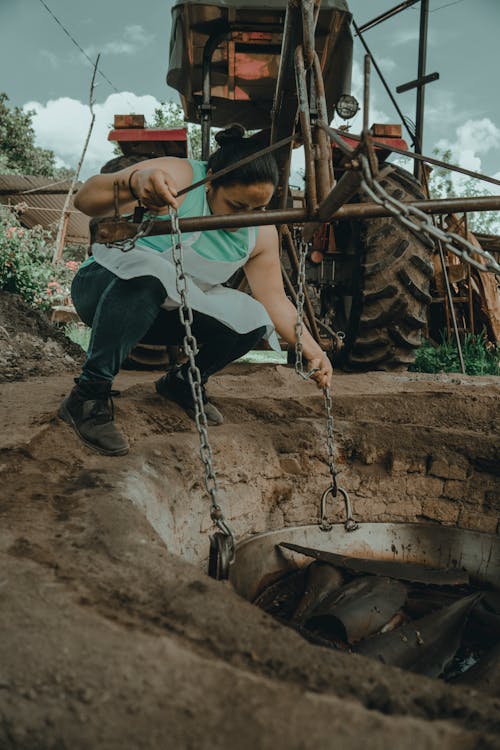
321,363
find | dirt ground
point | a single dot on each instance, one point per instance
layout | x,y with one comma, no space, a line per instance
110,640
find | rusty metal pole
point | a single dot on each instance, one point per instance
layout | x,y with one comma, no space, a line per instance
109,229
422,60
206,106
469,278
366,94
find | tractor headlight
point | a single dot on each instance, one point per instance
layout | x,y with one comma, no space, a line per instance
347,106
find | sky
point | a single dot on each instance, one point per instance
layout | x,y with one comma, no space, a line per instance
43,70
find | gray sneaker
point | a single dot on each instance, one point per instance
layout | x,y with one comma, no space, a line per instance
91,415
174,387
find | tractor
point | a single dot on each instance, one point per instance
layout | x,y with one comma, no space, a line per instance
283,69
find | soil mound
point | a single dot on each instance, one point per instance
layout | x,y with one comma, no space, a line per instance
30,345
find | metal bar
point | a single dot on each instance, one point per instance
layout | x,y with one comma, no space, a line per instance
417,82
341,193
388,14
336,136
110,230
384,83
324,144
206,107
308,28
422,61
449,296
36,191
469,279
366,93
305,123
280,123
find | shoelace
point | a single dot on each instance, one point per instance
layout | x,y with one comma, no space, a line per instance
103,410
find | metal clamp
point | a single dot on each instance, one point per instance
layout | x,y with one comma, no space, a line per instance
326,525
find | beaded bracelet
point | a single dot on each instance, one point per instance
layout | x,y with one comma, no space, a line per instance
130,189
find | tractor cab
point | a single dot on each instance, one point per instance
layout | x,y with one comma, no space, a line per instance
226,55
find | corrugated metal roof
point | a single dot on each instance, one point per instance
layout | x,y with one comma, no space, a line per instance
44,198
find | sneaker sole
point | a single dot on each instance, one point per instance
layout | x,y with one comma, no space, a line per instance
64,414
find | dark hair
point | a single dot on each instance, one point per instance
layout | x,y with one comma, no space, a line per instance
233,146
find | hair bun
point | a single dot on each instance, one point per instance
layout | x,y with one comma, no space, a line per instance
232,134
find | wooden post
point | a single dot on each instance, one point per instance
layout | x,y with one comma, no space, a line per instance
63,223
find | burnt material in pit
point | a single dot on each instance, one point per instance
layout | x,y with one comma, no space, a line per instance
428,621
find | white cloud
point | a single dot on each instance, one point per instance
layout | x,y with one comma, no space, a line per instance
62,125
472,139
442,109
52,59
386,64
133,38
399,37
402,36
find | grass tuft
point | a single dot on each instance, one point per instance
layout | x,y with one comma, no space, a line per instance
481,357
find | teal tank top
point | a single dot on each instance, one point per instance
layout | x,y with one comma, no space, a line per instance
216,244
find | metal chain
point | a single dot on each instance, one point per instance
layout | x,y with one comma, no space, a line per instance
143,230
301,283
330,439
422,222
301,280
349,524
194,377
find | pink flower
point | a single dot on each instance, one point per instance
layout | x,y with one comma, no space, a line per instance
72,265
11,232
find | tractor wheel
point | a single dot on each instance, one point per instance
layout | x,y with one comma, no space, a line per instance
387,315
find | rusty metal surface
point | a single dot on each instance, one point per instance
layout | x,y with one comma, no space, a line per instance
305,128
361,607
425,646
259,556
246,63
321,580
324,161
110,231
393,569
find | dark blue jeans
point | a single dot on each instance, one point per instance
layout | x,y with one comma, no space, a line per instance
123,312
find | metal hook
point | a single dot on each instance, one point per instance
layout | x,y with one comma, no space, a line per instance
325,525
221,556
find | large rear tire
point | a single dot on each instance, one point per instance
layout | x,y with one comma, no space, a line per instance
385,323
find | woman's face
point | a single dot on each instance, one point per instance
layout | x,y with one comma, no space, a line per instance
231,199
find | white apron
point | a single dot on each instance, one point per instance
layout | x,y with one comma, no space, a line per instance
204,279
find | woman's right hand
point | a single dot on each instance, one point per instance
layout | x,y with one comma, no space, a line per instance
154,187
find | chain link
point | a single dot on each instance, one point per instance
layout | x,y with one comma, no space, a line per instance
194,377
143,230
301,280
415,219
349,524
299,325
330,439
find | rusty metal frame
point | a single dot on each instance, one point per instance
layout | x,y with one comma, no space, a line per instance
115,230
325,200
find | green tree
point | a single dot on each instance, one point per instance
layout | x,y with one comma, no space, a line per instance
170,115
441,186
18,153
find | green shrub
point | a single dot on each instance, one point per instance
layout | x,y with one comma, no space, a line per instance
26,264
481,357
